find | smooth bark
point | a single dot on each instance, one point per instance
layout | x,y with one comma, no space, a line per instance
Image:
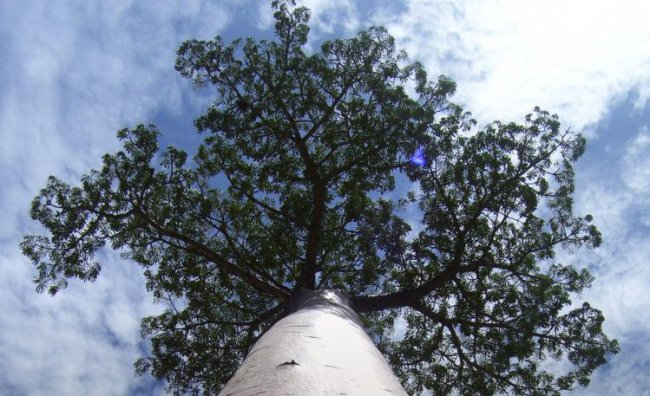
319,349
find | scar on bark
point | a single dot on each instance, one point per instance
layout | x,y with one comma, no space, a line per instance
291,363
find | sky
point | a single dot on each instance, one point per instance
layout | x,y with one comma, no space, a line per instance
74,72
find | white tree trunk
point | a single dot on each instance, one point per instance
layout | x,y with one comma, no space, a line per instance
319,349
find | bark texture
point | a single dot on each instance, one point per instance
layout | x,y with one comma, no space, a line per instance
319,349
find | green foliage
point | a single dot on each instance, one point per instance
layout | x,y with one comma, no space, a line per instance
310,145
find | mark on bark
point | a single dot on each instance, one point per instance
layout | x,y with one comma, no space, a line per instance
291,363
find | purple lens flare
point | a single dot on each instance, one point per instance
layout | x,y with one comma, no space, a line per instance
418,157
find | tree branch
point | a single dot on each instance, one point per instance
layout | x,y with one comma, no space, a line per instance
225,265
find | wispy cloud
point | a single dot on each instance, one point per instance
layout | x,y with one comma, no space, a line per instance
507,56
636,165
618,200
72,74
84,341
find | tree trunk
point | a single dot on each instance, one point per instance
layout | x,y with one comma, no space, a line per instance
319,349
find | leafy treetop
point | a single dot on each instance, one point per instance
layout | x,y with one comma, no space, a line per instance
290,189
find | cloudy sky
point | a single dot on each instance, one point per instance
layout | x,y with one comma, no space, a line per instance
72,72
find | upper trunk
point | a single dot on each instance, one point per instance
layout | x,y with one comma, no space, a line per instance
319,349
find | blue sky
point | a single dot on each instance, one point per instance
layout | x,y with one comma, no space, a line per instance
74,72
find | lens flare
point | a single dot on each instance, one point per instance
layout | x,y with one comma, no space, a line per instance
418,157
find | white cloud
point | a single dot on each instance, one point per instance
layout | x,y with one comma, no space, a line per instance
618,201
83,341
329,14
570,57
636,164
72,74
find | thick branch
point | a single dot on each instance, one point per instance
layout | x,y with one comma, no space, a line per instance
225,265
409,297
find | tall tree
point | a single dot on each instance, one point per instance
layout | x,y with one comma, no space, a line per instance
293,188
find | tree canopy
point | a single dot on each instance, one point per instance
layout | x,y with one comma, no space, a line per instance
294,187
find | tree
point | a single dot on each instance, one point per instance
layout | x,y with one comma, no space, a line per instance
292,188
